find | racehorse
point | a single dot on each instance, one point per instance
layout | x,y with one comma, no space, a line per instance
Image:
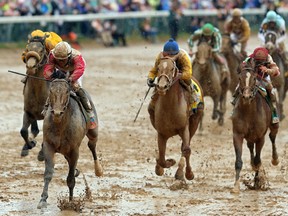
207,72
279,81
172,116
35,91
233,58
64,128
251,118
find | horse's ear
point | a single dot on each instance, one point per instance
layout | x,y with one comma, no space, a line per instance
29,38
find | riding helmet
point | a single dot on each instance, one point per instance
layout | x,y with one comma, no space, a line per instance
171,47
62,50
260,54
237,12
208,29
271,16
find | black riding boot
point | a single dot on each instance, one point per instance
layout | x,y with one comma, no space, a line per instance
86,104
275,118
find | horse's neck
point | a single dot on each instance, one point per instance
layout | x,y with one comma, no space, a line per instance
174,97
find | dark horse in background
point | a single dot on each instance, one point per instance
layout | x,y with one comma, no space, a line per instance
233,57
35,91
279,81
172,116
207,72
252,117
64,128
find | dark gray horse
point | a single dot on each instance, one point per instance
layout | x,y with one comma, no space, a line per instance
279,81
64,128
35,92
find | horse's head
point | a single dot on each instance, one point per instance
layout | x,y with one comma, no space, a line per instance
204,53
167,72
247,83
36,54
270,41
59,98
227,44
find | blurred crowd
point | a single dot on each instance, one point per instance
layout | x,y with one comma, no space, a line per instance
51,7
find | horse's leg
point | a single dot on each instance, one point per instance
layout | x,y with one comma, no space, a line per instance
72,159
250,146
215,107
34,128
24,133
258,148
237,142
48,174
186,152
272,136
222,107
160,161
92,135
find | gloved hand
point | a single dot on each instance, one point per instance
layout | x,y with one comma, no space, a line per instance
150,82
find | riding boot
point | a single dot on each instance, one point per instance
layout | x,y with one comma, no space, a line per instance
24,80
275,118
86,104
46,105
235,96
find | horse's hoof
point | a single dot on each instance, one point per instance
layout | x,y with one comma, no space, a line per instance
40,156
42,204
25,150
179,175
221,121
159,170
76,173
275,162
32,144
189,175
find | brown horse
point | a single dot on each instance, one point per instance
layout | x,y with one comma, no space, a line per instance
207,72
251,119
35,92
279,81
172,117
64,128
233,59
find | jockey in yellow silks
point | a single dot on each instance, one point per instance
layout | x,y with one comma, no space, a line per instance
183,63
52,39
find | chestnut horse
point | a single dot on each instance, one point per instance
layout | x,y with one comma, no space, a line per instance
207,72
64,128
279,81
172,116
35,92
233,58
251,118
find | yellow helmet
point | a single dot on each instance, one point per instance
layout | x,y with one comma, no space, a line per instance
37,33
237,12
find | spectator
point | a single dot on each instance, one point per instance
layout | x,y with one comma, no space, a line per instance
175,14
117,34
147,31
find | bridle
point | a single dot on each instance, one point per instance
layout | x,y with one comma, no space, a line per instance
43,55
247,89
170,80
67,102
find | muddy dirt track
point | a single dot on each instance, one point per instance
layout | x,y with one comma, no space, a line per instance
116,79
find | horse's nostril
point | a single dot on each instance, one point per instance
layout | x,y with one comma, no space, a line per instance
61,113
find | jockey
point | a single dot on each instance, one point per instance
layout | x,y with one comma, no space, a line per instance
50,42
265,67
213,36
239,29
274,22
68,60
171,49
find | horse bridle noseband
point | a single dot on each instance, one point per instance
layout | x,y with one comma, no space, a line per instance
175,75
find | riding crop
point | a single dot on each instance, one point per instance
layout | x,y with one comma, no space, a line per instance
142,103
30,76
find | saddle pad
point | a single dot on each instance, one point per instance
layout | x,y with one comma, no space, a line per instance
199,97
